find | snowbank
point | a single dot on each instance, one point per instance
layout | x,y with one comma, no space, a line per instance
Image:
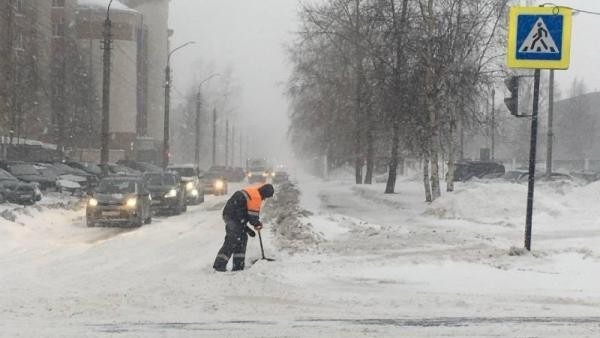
289,221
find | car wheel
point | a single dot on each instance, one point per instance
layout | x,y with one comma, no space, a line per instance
149,219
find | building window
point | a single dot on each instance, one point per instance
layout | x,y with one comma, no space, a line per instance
58,3
58,29
19,41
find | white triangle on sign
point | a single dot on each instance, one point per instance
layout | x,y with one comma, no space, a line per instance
539,40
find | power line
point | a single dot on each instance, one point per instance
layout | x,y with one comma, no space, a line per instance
576,10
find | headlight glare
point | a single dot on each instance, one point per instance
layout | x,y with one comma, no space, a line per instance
93,202
131,203
189,186
171,193
194,192
219,184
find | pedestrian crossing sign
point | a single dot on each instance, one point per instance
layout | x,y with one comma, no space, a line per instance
539,37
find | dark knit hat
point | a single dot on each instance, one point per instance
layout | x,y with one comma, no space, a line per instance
266,191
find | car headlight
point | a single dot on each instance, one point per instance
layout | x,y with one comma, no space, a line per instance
131,203
93,202
189,186
265,174
171,193
249,174
194,192
273,174
219,184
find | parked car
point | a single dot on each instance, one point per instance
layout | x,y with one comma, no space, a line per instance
214,182
235,174
115,169
280,177
194,189
19,192
122,199
143,167
168,194
26,172
91,180
88,167
586,176
466,170
65,182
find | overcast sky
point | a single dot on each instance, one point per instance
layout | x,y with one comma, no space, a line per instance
249,35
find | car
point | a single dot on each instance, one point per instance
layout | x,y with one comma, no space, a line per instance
586,176
214,183
111,169
119,199
27,172
168,194
465,170
194,189
88,167
235,174
65,181
19,192
280,177
515,175
143,167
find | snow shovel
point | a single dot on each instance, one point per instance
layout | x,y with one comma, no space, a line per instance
262,251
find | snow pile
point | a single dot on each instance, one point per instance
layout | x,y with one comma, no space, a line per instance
291,230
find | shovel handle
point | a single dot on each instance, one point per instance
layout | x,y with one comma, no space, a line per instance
262,250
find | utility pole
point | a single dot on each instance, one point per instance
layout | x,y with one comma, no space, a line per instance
227,142
550,122
232,145
198,110
493,150
107,46
11,64
241,155
166,123
214,137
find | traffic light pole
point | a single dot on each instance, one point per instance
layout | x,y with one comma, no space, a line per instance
532,156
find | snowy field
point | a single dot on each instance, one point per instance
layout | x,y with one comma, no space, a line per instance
351,261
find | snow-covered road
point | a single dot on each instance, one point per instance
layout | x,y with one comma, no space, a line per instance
374,265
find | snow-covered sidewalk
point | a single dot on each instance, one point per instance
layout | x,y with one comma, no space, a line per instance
351,261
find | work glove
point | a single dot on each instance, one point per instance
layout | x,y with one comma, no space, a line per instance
250,232
257,226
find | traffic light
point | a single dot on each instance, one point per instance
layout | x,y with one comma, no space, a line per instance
512,102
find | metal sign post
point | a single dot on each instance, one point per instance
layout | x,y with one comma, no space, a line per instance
538,38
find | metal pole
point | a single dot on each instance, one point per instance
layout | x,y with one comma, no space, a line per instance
241,155
214,138
227,142
107,46
166,135
493,150
198,110
532,156
550,122
232,145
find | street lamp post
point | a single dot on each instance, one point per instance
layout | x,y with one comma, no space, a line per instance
198,111
107,42
166,149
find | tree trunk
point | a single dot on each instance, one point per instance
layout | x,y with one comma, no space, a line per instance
358,169
370,157
426,180
451,156
391,181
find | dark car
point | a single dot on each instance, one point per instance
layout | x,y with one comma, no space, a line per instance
468,169
119,200
280,177
19,192
168,194
88,167
142,167
214,183
235,174
194,189
27,172
112,169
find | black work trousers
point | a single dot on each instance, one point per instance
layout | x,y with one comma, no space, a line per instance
235,243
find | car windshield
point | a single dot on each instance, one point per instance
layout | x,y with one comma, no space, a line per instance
116,187
23,169
91,167
161,179
4,175
187,172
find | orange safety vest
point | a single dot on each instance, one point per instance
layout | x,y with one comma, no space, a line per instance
253,200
